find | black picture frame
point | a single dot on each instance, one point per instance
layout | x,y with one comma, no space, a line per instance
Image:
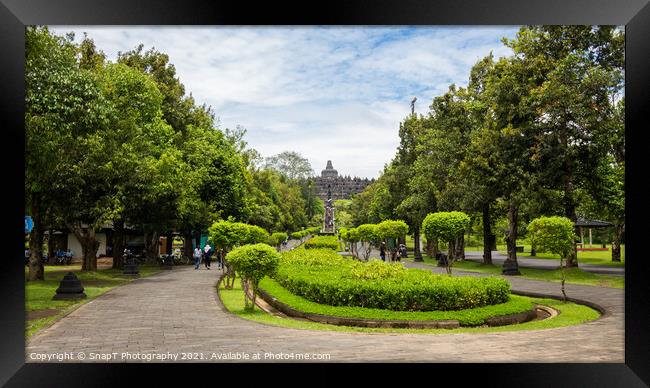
634,14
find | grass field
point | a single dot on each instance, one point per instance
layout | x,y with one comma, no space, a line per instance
570,314
573,275
587,257
43,311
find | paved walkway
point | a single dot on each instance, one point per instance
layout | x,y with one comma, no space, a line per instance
178,312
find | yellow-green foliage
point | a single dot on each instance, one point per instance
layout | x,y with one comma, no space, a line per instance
552,234
318,242
323,276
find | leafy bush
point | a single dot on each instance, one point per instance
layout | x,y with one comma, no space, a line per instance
467,317
445,225
277,238
392,229
252,263
552,234
322,276
318,242
257,235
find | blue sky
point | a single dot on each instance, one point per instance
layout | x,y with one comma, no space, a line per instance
329,93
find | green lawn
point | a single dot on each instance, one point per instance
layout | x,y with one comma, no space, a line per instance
570,314
587,257
38,294
573,275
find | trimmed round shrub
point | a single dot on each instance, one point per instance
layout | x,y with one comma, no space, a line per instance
257,235
392,229
322,242
552,234
323,276
445,225
252,263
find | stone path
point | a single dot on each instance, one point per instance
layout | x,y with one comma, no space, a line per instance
177,312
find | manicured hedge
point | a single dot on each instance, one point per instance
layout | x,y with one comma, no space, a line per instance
322,242
323,276
467,317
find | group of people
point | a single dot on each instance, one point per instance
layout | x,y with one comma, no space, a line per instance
205,255
397,256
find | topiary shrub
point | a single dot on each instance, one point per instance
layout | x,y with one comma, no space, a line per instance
252,263
553,235
368,235
227,235
319,242
446,226
277,238
394,230
257,235
323,276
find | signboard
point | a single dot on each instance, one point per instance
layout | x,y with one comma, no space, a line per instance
29,224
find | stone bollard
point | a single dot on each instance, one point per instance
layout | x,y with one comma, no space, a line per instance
131,267
167,262
69,288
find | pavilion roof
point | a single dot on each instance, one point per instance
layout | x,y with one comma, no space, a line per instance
592,223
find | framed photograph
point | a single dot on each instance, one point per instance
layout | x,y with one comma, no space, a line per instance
441,186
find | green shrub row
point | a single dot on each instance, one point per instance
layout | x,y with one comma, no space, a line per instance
305,232
467,317
322,242
323,276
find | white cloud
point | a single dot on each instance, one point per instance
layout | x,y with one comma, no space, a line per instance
330,93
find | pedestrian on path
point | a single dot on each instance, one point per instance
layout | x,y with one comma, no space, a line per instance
208,254
382,251
197,257
220,258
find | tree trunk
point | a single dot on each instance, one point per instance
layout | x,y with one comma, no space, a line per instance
510,265
616,241
569,205
487,235
119,244
170,243
89,246
187,244
459,250
36,271
417,254
451,250
51,248
151,243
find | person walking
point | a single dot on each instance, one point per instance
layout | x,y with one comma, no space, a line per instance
382,251
197,257
208,254
219,258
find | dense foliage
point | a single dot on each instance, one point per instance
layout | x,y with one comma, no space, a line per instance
552,234
252,263
539,132
325,277
122,143
322,242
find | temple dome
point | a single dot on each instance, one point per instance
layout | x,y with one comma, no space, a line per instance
329,171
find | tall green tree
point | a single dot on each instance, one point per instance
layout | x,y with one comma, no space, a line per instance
576,76
67,168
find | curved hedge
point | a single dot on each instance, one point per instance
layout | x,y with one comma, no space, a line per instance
322,242
323,276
